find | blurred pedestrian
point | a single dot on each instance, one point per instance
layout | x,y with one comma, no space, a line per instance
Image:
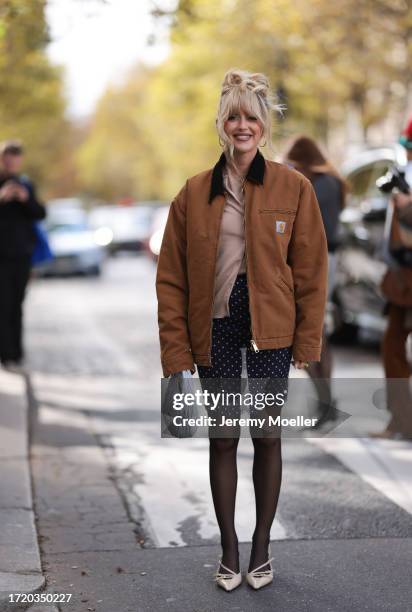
19,209
243,263
305,155
397,289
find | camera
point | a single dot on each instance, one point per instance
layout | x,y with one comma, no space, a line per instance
393,179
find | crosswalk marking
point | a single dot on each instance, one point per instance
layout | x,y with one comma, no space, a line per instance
384,464
176,493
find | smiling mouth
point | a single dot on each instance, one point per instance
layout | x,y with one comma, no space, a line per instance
242,137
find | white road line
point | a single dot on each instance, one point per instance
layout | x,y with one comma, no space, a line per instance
384,464
175,491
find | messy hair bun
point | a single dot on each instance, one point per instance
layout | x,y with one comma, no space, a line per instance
256,82
251,92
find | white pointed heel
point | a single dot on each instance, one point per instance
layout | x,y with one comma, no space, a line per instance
258,579
229,581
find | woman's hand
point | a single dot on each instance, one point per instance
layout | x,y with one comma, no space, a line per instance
300,365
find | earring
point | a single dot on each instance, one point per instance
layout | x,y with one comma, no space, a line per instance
263,145
222,144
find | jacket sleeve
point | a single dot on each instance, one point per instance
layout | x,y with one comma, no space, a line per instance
172,292
308,258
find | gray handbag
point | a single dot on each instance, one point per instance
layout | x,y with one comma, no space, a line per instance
179,383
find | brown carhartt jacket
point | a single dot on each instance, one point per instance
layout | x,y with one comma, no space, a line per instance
287,262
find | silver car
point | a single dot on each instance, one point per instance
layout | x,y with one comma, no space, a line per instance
125,228
74,244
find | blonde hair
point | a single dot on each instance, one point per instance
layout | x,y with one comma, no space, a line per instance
249,91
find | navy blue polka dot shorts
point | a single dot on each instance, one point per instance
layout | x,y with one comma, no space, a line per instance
267,370
230,334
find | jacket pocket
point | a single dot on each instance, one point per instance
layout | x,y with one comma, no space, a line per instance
284,211
277,310
277,223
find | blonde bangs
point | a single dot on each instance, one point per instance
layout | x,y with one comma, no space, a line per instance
236,100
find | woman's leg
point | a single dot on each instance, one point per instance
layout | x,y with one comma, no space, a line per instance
321,375
224,373
267,479
269,370
223,483
321,371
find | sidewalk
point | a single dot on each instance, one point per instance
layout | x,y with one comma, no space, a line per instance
20,567
310,576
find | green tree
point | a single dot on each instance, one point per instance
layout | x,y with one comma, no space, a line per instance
31,101
119,157
329,58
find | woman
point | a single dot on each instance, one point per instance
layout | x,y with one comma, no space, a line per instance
330,188
243,262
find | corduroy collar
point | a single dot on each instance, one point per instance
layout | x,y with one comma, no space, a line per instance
255,174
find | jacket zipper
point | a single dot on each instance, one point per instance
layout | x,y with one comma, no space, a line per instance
252,341
214,282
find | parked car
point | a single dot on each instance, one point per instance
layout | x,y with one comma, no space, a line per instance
126,227
61,204
73,244
357,303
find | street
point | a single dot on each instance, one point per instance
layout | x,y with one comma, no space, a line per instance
104,479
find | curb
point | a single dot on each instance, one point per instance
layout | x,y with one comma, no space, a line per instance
20,565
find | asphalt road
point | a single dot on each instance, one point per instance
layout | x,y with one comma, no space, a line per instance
93,350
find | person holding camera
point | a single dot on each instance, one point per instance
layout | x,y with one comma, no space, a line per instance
19,208
397,289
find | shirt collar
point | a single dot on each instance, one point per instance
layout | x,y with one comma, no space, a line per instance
255,174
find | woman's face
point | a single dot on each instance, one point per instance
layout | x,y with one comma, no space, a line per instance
244,130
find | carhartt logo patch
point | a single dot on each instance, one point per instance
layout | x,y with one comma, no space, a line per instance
280,227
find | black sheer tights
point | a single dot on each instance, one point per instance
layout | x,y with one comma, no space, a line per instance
223,482
267,475
267,478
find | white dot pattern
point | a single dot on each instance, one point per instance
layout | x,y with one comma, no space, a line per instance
230,334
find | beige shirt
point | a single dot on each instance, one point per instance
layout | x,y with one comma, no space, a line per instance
231,248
